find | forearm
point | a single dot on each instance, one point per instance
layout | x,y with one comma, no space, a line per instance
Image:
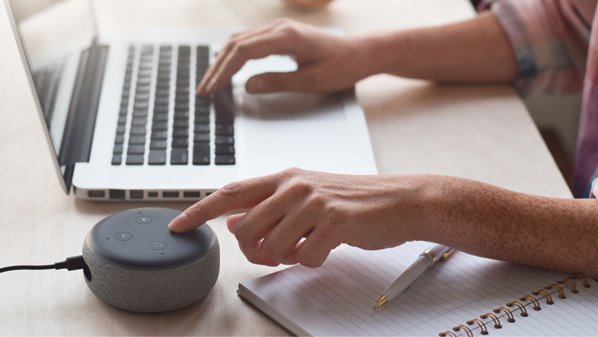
475,50
559,234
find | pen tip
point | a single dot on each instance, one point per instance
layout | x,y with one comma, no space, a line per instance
381,301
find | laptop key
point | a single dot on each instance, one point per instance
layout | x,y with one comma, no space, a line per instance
157,157
118,149
135,159
201,154
141,105
138,130
139,113
225,160
117,159
161,118
180,124
201,138
158,145
139,140
184,115
202,128
139,121
224,149
201,159
136,149
161,102
225,129
179,156
163,92
202,110
202,119
224,106
180,133
224,140
159,135
159,126
180,143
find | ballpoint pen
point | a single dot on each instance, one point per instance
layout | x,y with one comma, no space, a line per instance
424,261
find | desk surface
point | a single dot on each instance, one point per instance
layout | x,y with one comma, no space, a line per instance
479,132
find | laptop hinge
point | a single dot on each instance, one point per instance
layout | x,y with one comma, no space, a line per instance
80,122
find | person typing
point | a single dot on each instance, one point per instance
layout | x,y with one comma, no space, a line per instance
299,216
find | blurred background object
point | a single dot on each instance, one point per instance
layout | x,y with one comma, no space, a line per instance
27,8
308,4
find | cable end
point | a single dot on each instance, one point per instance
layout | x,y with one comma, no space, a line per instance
72,263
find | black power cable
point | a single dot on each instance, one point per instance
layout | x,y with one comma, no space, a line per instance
71,263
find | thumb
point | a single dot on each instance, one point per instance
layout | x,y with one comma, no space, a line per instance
300,80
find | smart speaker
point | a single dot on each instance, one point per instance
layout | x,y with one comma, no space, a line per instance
136,263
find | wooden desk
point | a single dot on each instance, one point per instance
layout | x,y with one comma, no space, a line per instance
480,132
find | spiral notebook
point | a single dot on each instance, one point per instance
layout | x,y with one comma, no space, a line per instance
464,296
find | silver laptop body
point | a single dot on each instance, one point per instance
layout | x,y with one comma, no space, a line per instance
123,119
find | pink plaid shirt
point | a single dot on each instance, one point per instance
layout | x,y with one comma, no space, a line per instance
557,53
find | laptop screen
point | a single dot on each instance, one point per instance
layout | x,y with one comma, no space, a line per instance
51,35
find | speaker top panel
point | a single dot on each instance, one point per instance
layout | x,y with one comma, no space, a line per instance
140,238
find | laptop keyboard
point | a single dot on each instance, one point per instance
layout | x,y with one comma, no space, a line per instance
161,126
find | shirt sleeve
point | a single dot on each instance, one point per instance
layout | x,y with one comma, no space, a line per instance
549,49
594,189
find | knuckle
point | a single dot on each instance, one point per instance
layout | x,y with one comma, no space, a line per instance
335,214
282,21
298,186
289,27
249,253
245,233
241,49
252,258
309,259
272,249
291,172
317,201
231,189
231,43
290,30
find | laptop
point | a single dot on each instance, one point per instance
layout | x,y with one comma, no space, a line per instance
124,122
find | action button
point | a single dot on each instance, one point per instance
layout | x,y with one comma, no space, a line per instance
143,219
123,236
157,245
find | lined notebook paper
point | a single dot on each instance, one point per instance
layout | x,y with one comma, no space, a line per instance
337,298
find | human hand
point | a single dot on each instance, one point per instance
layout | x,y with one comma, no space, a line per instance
326,62
299,216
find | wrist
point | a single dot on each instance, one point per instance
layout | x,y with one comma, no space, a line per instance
379,53
369,54
417,206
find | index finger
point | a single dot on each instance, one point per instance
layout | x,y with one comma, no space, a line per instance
237,195
263,45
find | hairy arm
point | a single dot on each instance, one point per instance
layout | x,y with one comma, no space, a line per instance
475,50
484,220
376,212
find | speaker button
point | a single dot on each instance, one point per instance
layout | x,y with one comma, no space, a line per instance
123,236
143,219
157,245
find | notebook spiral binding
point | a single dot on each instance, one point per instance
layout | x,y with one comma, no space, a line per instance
493,318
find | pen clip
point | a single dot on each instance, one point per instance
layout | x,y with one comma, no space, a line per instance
447,254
